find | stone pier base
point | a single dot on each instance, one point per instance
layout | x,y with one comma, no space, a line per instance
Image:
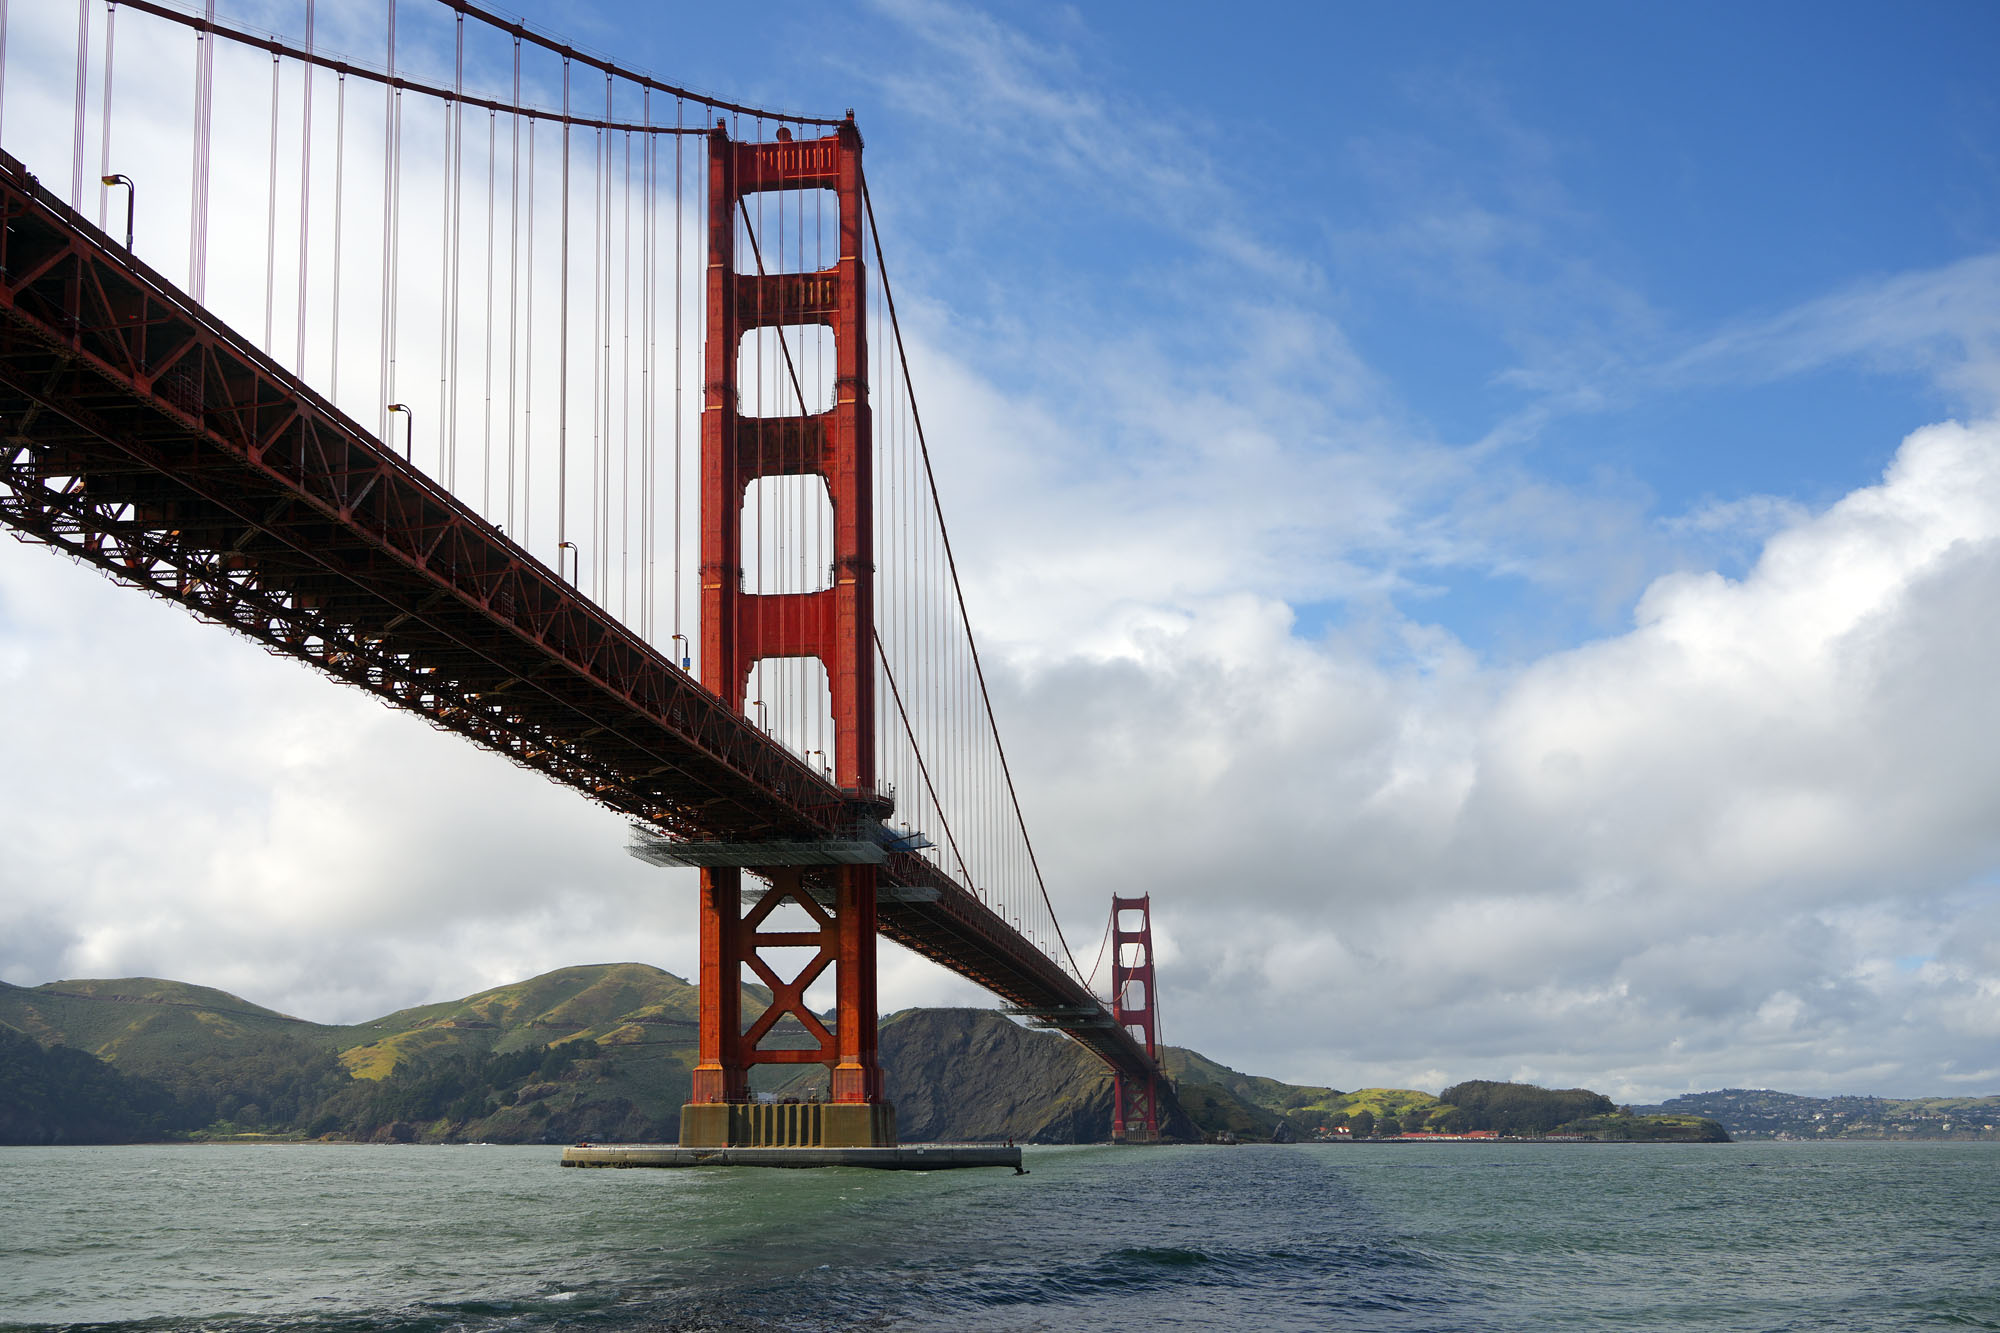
940,1157
788,1125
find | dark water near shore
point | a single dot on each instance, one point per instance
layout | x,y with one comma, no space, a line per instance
1432,1237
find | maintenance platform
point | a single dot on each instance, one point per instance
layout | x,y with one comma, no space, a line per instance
913,1157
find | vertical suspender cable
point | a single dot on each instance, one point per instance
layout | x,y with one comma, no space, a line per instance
305,187
647,471
513,269
625,395
486,422
271,218
597,222
680,122
447,298
562,353
385,382
82,87
600,358
772,489
204,100
804,670
758,339
528,389
339,198
392,270
606,171
447,289
454,225
822,535
104,116
3,67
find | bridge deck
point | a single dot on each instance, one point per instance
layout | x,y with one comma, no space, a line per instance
141,434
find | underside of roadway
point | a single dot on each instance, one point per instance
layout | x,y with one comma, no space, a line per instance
142,435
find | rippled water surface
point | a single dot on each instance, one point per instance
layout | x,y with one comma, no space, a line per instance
1394,1237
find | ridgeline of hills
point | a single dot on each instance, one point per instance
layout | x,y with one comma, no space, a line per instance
606,1053
1758,1113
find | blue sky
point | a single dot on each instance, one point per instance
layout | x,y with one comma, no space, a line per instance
1490,513
1526,222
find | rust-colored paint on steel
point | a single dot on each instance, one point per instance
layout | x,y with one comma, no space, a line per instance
146,438
834,625
1135,1096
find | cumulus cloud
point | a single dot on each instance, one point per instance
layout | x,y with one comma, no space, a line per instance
1743,838
1689,852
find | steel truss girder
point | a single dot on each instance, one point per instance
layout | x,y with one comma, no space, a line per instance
141,435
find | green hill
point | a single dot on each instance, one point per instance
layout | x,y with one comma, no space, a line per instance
626,1005
584,1052
600,1052
1250,1107
1254,1107
1186,1066
145,1017
606,1052
222,1059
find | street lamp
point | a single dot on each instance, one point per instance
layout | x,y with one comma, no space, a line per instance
575,561
131,197
758,704
686,649
409,431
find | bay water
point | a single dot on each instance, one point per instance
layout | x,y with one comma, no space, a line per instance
1448,1237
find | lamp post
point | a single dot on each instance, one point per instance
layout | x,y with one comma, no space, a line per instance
409,431
687,649
131,197
575,561
758,704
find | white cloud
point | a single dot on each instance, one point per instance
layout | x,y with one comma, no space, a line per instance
1700,832
1942,324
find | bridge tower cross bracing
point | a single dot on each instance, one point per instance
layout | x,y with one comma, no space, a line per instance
1135,1007
834,625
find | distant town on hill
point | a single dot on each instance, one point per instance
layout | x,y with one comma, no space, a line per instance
1758,1113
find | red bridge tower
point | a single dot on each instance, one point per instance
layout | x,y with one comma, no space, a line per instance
835,625
1135,1007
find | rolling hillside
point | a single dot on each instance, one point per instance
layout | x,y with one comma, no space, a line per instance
605,1052
599,1052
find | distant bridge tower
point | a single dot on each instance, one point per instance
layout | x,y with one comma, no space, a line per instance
834,625
1135,1007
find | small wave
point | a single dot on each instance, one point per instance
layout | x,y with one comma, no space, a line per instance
1168,1258
1367,1276
553,1309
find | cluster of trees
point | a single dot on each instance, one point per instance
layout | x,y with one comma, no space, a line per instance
258,1083
57,1095
459,1088
1521,1108
1505,1108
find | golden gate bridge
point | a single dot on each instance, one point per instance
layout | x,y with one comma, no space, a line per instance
662,524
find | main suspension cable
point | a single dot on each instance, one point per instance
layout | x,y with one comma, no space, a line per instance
206,26
522,32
